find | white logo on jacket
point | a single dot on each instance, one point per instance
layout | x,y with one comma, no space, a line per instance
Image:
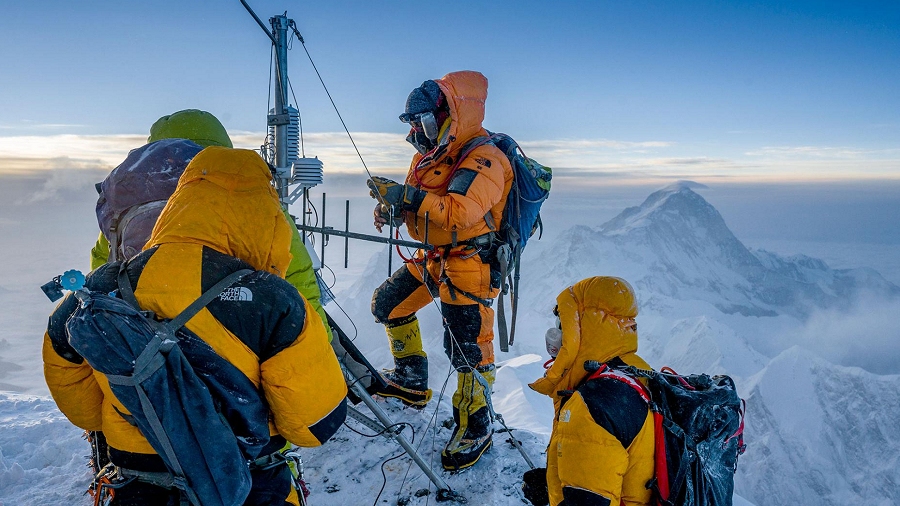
239,293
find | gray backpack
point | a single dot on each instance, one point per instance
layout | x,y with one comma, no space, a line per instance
135,192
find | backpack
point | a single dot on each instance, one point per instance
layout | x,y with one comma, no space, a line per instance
203,416
133,195
521,218
699,432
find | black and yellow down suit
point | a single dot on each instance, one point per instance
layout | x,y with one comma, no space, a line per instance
224,216
601,451
461,205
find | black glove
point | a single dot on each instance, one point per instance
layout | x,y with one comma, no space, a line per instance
394,194
534,486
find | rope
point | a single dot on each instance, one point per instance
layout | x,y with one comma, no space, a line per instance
331,99
423,273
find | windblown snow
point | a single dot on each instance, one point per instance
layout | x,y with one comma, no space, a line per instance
789,330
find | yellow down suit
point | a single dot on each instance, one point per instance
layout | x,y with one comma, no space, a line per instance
601,450
224,216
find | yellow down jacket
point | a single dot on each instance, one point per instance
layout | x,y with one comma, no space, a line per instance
223,216
602,445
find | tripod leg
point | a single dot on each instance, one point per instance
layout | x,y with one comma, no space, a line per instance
385,421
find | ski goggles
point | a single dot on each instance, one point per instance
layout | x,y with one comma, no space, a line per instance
424,121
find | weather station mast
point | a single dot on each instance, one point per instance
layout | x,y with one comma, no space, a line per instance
294,174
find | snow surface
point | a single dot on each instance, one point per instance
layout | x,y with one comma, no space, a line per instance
819,429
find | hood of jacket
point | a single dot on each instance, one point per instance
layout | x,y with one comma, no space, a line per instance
597,318
466,93
225,200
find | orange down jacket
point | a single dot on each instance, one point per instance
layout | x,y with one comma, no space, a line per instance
602,442
460,214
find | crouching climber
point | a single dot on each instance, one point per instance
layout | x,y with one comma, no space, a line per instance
223,217
601,450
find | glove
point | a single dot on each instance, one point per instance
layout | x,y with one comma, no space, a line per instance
394,194
534,486
383,214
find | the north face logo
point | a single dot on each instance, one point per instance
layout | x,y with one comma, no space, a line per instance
239,293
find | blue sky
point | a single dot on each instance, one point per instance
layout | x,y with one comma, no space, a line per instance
695,88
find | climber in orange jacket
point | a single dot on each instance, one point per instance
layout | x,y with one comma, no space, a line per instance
462,191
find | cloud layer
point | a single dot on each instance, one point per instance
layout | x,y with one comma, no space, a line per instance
388,153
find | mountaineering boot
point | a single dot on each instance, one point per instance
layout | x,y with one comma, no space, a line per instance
408,380
472,414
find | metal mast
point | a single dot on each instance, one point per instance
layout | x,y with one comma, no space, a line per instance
280,119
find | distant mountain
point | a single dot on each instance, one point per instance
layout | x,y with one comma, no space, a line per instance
818,433
675,244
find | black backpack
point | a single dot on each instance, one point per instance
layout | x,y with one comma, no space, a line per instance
203,416
699,429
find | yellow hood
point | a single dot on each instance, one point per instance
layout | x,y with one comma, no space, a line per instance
225,200
597,316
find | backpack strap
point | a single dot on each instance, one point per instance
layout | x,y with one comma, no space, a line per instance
207,297
118,226
125,289
151,359
503,258
466,150
605,371
193,308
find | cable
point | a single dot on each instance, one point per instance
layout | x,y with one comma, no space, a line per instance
341,118
355,329
333,276
389,427
384,476
432,422
386,429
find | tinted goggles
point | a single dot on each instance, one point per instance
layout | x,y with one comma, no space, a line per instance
424,121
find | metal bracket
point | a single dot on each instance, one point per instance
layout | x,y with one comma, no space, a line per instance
279,119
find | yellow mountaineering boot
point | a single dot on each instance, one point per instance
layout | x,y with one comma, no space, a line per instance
408,380
474,429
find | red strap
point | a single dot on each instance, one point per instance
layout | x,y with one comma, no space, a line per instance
624,378
662,465
680,379
462,156
740,430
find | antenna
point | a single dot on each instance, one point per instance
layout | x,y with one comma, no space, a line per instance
282,143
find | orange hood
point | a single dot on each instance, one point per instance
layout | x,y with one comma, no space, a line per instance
597,316
225,200
466,92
